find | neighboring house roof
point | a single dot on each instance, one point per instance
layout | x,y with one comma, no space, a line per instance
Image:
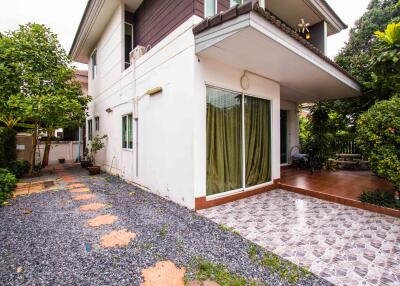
247,7
82,76
82,73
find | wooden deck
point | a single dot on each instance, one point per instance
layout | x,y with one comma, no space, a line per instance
342,187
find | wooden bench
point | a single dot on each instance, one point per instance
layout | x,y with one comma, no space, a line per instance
343,163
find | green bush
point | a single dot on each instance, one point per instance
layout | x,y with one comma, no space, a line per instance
380,198
19,168
7,146
7,184
378,135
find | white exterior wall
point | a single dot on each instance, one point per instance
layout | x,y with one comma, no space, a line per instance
293,125
220,75
171,143
166,120
113,88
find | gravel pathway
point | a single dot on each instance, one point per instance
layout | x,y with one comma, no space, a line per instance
45,238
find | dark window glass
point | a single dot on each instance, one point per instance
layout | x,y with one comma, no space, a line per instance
97,123
128,43
90,129
94,64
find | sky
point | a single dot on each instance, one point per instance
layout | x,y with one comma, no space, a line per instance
63,17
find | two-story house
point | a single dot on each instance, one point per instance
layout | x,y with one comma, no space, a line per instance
199,97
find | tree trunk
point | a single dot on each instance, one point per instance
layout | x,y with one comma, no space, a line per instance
46,153
33,152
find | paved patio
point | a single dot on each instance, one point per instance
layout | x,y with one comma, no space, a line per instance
344,245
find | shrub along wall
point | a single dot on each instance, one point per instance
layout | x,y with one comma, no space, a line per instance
7,146
7,184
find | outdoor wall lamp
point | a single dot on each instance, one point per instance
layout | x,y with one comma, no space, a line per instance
154,91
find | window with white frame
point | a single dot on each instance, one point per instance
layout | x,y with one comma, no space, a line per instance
94,64
97,123
127,134
90,129
236,2
128,39
210,8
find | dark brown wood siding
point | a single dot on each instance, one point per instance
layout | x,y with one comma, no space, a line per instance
155,19
223,5
199,8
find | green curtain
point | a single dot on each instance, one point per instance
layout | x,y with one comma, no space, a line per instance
257,140
224,141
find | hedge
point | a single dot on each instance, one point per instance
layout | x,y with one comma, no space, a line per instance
378,135
7,184
8,143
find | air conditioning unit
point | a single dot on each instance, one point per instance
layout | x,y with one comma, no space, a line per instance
137,53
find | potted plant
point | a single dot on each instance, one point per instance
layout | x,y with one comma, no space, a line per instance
61,160
85,162
96,145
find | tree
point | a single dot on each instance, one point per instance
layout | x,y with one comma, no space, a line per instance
370,59
385,71
319,132
40,86
10,82
378,135
360,53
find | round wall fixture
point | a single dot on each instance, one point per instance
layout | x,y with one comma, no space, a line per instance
244,82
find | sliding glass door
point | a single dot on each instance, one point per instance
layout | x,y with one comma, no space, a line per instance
224,141
237,157
257,120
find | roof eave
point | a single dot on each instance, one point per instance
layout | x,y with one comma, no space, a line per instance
72,51
248,7
333,15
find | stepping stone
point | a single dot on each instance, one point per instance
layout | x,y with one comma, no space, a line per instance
101,220
164,273
117,238
83,197
81,190
76,185
91,207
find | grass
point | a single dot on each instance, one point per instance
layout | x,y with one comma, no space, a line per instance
252,252
147,245
285,269
229,229
380,198
205,270
179,244
164,231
